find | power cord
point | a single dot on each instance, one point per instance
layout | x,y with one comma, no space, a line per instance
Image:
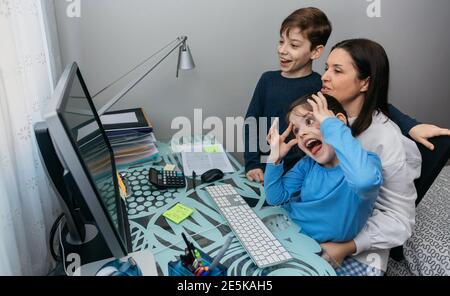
53,230
62,247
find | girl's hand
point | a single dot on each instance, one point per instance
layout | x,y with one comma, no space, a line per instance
256,175
320,107
422,132
278,148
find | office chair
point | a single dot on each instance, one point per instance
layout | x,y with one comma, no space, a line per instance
432,164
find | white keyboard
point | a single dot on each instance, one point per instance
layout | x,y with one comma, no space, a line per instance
263,247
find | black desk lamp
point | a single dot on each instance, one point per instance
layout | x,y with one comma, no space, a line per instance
185,62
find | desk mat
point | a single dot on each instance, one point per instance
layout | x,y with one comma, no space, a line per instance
207,228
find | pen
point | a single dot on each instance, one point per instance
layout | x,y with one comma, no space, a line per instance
193,178
220,254
191,252
121,184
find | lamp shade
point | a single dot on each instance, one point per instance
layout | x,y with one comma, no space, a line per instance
186,61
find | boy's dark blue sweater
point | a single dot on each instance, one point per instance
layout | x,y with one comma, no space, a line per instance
272,97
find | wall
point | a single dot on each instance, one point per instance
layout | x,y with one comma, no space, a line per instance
234,42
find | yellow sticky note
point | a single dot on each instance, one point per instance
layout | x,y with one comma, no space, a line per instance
169,167
212,149
178,213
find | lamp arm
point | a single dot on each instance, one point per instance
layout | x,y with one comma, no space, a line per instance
134,68
123,92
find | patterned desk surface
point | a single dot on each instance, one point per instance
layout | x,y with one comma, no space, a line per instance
207,228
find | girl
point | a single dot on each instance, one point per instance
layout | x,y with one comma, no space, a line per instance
331,191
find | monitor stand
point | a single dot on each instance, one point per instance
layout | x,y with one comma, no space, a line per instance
144,260
91,233
93,248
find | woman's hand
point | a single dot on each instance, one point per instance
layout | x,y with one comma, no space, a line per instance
422,132
256,175
278,148
335,253
320,107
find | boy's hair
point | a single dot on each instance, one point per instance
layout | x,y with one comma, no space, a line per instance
332,103
312,22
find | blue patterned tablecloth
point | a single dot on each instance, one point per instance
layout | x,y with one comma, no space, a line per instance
206,227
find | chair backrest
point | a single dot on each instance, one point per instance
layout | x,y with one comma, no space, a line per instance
432,164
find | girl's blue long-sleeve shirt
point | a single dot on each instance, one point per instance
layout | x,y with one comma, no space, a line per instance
329,204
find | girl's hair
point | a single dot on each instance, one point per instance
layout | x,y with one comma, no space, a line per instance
371,62
332,103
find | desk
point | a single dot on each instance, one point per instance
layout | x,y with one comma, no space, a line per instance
207,228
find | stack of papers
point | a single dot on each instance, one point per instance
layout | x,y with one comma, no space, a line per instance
131,136
133,148
204,157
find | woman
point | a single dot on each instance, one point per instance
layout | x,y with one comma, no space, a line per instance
357,74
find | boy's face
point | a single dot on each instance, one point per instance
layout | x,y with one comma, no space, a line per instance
294,52
310,140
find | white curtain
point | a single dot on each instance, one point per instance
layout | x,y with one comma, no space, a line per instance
27,206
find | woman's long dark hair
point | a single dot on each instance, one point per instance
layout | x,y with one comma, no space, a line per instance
371,62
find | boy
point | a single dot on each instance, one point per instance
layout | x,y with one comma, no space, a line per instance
330,193
303,36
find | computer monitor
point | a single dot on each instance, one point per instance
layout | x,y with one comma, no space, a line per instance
83,149
76,214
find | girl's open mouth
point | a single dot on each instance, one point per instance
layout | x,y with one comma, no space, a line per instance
314,146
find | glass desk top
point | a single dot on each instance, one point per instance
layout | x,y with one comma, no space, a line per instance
206,227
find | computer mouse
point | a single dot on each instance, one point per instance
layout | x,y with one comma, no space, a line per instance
212,175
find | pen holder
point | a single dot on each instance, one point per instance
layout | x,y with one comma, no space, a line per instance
176,268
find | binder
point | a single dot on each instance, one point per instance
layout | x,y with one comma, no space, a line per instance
121,121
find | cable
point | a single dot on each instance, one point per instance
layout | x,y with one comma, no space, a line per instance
55,226
62,248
